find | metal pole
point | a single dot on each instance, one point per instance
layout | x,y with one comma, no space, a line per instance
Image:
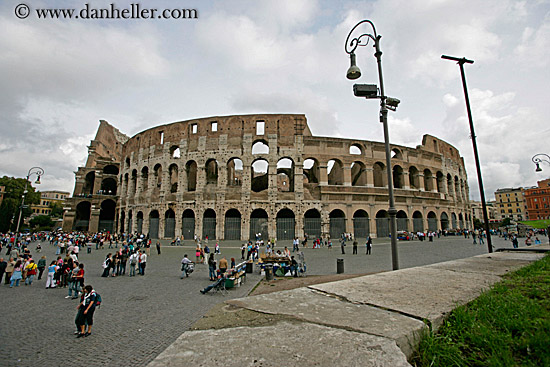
461,62
384,119
22,204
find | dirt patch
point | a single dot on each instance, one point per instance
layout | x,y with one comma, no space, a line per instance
224,316
286,283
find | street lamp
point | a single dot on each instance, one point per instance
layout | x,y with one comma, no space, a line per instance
461,62
537,160
38,171
370,91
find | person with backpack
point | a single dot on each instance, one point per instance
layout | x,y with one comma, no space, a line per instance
86,309
133,262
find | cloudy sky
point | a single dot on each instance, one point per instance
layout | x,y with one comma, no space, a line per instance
59,77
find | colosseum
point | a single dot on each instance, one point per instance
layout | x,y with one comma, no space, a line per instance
232,177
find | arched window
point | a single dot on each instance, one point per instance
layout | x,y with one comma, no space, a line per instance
396,154
211,169
311,171
428,180
379,170
355,149
158,175
414,179
397,177
173,172
260,147
191,170
358,174
175,152
260,178
285,175
235,172
145,178
335,172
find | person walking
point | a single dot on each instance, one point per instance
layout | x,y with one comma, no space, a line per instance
342,245
158,247
41,266
369,245
85,313
185,266
106,265
31,269
9,270
50,281
211,267
142,263
133,263
17,274
354,247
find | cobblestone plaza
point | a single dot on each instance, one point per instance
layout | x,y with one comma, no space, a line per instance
141,316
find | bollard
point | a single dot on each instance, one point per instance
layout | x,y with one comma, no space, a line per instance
268,272
339,266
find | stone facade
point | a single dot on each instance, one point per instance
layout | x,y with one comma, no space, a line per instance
232,177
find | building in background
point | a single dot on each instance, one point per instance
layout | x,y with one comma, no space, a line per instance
47,200
510,203
477,211
538,200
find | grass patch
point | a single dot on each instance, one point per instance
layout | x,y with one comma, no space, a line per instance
508,325
540,224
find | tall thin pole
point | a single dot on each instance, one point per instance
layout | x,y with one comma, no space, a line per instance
22,204
461,62
384,119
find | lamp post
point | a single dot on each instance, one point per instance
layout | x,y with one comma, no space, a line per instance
537,160
461,62
370,91
38,171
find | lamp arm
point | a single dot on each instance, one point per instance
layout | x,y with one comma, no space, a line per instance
351,46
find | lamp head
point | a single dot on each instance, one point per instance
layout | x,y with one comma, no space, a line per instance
353,72
37,182
538,169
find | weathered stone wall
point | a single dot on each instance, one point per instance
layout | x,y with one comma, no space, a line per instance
259,168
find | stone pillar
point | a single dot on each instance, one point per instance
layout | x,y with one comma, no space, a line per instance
406,180
347,175
421,183
94,219
323,179
370,176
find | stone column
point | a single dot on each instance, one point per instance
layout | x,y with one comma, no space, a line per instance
370,176
347,175
94,219
323,179
421,182
406,180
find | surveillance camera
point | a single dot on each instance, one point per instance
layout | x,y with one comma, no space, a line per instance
392,103
365,90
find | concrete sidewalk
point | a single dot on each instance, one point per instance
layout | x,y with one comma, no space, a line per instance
373,320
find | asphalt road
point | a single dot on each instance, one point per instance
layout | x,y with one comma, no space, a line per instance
142,315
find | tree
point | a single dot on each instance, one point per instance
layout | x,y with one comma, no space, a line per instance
505,222
9,210
41,221
477,224
57,210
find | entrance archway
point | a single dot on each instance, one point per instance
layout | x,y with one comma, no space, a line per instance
382,224
188,224
337,223
258,223
169,224
285,225
312,223
209,224
82,219
232,228
154,224
361,224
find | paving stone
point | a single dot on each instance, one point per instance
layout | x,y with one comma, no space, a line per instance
284,344
312,306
